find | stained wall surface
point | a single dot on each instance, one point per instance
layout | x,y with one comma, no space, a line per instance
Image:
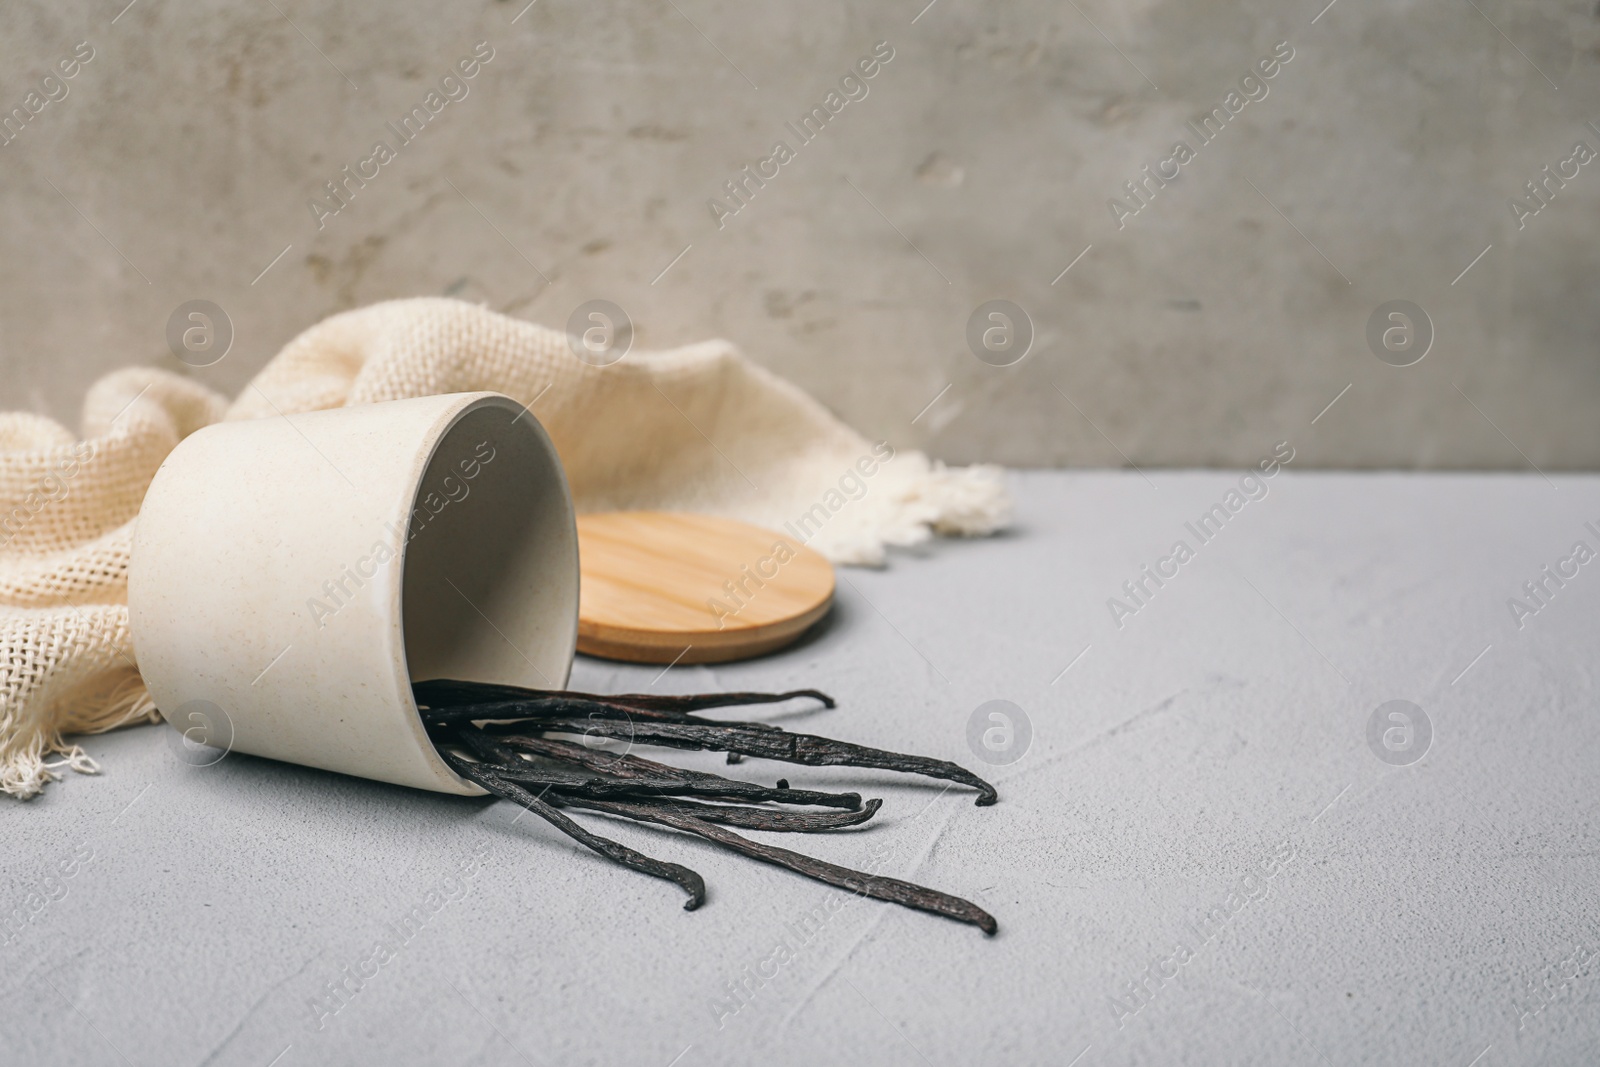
1201,321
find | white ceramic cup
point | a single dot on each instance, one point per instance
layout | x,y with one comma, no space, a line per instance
292,576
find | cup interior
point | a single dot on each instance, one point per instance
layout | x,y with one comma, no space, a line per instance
490,581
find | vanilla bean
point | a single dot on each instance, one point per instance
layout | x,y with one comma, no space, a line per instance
562,706
807,749
652,778
642,777
624,765
447,701
893,890
585,784
699,702
498,753
769,819
484,747
688,880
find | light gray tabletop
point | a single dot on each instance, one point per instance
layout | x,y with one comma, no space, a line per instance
1204,855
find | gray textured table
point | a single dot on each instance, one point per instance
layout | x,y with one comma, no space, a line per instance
1200,858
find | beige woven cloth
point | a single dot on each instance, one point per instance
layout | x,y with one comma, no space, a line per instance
694,429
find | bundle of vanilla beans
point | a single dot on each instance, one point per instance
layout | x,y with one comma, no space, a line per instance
515,743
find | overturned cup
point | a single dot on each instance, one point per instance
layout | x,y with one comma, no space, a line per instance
299,573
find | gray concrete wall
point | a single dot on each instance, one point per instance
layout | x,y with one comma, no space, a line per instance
1217,320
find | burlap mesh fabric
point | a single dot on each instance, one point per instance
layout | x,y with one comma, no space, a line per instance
698,428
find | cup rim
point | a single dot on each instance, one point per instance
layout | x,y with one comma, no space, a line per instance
440,433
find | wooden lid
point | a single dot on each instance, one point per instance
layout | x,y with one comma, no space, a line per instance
671,587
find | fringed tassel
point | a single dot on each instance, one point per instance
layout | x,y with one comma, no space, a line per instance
110,700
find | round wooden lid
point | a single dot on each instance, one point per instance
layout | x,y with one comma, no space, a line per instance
671,587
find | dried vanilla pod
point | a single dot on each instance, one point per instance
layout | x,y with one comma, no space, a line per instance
505,732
